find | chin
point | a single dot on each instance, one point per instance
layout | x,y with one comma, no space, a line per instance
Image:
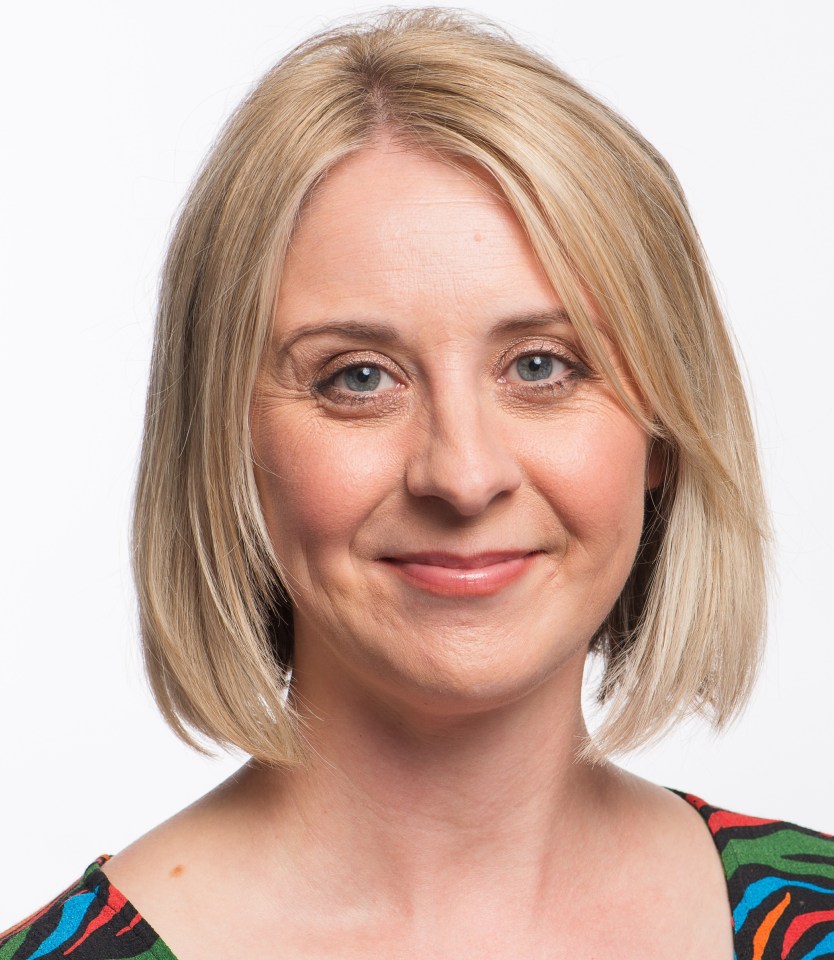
468,679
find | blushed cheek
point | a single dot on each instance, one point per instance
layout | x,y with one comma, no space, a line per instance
318,486
614,491
595,481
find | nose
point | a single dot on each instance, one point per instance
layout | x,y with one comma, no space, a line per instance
462,459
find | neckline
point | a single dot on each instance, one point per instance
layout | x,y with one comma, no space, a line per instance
135,925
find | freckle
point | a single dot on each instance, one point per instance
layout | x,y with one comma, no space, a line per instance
178,870
478,238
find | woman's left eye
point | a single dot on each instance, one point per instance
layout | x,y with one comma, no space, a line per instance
537,367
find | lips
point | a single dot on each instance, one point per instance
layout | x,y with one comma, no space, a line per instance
457,575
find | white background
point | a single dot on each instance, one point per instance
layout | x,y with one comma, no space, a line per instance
106,112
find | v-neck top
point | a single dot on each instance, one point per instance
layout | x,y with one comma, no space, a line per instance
780,884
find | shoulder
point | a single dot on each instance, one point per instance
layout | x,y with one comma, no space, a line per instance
91,920
780,878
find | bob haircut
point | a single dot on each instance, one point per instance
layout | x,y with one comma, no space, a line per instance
609,223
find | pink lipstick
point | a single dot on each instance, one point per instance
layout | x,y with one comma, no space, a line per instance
452,575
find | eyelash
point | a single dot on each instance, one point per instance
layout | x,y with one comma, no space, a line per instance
577,371
326,386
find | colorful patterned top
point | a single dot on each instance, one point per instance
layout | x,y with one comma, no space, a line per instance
780,879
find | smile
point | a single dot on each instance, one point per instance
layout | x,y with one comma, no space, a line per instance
452,575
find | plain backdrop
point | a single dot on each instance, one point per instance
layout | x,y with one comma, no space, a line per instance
107,109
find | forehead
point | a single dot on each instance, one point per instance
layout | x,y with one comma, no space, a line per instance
397,233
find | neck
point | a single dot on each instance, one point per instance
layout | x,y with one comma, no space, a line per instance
424,805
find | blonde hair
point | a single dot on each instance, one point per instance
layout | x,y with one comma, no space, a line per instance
607,219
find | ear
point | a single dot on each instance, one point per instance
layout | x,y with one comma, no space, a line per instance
656,464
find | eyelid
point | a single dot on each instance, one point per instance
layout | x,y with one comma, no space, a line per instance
526,347
325,384
346,361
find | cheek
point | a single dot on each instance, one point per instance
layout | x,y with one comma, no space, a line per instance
318,485
593,476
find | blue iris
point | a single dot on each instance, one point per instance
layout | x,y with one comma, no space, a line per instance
362,378
537,367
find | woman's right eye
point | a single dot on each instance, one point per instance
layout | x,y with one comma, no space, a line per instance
362,378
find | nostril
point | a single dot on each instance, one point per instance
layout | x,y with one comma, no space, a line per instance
467,470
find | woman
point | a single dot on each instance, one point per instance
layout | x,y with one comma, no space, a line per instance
442,399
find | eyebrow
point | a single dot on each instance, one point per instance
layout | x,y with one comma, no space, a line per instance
388,334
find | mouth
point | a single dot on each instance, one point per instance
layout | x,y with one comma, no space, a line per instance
456,575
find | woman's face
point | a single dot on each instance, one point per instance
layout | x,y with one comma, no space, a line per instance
454,497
